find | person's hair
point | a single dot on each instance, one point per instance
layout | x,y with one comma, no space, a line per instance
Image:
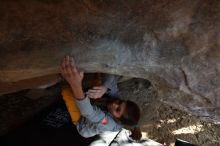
131,118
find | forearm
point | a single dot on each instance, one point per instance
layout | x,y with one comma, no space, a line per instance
73,76
92,113
78,92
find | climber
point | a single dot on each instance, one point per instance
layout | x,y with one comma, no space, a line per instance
90,119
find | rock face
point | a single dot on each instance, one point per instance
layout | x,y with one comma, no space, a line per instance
173,44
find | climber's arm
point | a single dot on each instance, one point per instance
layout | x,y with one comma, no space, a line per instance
109,87
73,76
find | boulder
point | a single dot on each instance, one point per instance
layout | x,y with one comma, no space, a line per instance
173,44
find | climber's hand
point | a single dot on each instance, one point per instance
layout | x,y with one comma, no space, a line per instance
70,73
97,92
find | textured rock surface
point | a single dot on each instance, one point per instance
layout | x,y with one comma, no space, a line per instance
164,123
174,44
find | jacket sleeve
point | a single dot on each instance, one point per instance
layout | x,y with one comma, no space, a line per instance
93,120
90,112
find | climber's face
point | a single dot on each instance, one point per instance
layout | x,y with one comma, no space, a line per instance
117,108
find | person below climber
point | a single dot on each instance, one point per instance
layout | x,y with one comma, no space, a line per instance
89,119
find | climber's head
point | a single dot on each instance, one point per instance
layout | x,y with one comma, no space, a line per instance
128,113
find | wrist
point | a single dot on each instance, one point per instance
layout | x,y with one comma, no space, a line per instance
78,92
76,85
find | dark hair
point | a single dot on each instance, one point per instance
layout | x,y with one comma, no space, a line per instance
131,118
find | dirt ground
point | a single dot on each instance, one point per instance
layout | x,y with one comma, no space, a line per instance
159,121
164,123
